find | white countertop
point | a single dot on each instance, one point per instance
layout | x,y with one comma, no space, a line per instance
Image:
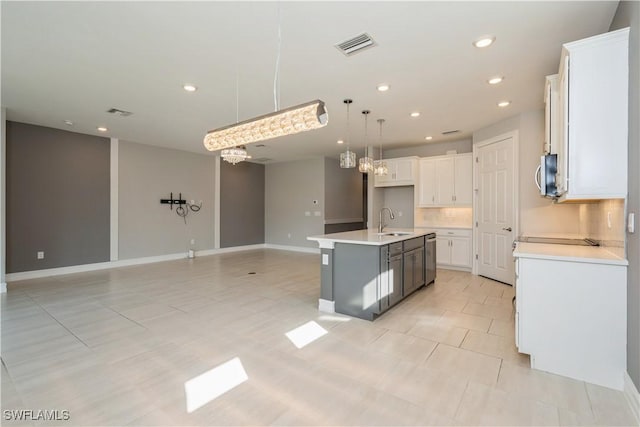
589,254
368,237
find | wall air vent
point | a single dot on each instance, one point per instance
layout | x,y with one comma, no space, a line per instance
450,132
356,44
118,112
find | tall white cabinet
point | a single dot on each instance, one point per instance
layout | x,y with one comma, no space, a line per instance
593,118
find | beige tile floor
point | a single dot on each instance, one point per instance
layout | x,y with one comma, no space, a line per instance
116,347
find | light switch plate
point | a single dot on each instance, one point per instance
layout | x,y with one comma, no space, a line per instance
631,223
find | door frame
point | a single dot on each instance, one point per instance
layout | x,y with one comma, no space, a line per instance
514,135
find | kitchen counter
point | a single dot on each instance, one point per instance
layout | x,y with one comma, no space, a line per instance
587,254
368,237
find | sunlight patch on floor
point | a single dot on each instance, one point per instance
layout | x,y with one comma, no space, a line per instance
306,334
208,386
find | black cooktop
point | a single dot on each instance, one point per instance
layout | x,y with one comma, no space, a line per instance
558,241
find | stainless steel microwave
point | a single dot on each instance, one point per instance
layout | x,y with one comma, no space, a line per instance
545,176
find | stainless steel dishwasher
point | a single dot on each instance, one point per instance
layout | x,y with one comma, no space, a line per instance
430,258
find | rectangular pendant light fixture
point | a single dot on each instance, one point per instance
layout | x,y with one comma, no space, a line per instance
301,118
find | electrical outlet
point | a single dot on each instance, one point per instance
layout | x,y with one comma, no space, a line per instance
317,213
288,235
193,241
40,255
399,213
307,213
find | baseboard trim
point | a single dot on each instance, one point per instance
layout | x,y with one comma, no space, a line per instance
326,306
3,288
292,248
207,252
451,267
633,397
59,271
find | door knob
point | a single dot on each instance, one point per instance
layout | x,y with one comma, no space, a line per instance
507,229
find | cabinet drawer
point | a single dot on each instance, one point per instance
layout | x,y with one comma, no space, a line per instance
418,242
395,249
445,232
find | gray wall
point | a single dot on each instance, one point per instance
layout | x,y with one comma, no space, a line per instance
400,199
628,15
430,149
537,214
290,188
241,204
3,234
57,198
148,174
342,191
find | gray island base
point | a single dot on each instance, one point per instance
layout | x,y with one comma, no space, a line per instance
364,273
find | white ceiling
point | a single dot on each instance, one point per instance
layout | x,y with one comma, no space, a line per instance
75,60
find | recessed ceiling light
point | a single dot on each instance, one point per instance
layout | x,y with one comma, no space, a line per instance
428,138
504,103
383,88
484,41
68,122
102,129
340,141
495,80
415,114
189,88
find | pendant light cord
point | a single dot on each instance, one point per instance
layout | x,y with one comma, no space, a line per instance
276,78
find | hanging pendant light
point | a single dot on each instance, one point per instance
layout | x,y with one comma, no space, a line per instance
365,164
380,166
348,158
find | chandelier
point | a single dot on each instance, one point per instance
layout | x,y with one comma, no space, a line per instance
301,118
365,164
348,158
234,155
380,166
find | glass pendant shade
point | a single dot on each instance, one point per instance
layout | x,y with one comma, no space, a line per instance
348,159
380,168
365,164
234,155
301,118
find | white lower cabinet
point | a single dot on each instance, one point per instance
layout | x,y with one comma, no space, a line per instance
453,248
571,318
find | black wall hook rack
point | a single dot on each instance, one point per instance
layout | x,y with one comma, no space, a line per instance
171,201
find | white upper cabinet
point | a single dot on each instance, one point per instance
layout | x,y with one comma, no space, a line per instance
593,118
445,181
402,171
551,115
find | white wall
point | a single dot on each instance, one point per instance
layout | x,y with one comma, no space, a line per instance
290,189
148,174
431,149
537,214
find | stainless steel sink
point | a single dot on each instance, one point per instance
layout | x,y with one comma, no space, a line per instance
395,233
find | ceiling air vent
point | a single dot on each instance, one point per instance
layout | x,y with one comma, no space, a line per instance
118,112
450,132
356,44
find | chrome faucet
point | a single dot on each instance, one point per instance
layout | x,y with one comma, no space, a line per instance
381,224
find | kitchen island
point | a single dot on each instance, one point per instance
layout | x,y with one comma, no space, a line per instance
364,272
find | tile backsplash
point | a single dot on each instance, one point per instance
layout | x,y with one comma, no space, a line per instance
605,221
443,217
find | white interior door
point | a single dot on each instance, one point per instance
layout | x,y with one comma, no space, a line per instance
496,210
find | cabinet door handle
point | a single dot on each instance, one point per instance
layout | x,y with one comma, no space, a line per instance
433,198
